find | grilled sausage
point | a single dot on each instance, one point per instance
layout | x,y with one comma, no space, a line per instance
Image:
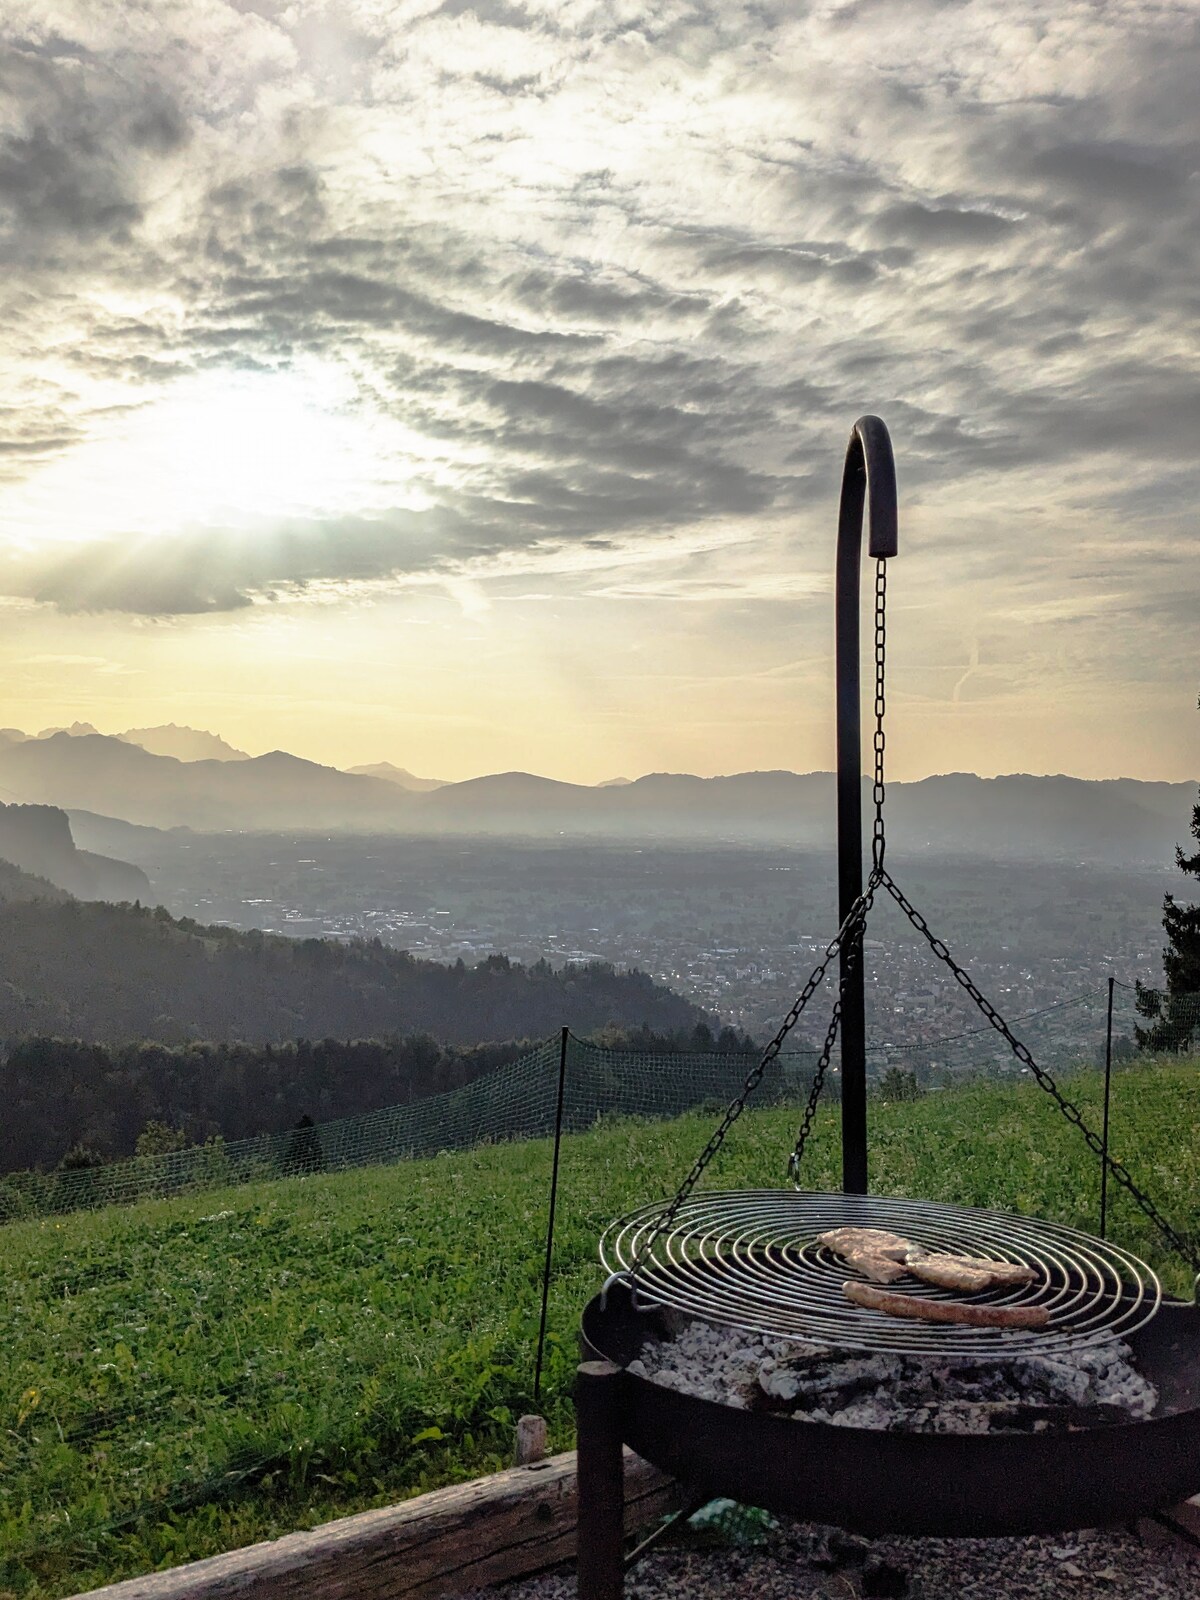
909,1305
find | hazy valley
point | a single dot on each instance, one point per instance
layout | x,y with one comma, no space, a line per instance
720,889
734,929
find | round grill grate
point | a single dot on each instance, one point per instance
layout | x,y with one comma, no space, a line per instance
748,1258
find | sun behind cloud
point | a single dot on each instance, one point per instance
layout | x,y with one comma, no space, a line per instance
533,333
224,450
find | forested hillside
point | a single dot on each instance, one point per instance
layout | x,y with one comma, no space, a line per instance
18,885
119,973
78,1104
91,1102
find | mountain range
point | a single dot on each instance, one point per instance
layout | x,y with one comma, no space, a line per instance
169,739
1015,816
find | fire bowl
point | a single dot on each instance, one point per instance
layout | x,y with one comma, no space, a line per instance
950,1485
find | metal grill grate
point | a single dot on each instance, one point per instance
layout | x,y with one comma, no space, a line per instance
748,1259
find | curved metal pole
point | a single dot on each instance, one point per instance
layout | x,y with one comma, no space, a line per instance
869,478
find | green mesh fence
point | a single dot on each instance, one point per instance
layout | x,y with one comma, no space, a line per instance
1065,1035
518,1102
114,1427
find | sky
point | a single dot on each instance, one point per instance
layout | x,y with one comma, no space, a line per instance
466,385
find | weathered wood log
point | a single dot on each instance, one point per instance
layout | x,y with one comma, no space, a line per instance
442,1543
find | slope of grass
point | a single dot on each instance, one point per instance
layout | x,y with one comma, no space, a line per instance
184,1376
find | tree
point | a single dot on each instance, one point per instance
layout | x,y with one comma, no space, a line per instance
1174,1012
304,1153
81,1157
160,1139
896,1084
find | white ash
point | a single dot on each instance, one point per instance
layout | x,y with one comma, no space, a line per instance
898,1393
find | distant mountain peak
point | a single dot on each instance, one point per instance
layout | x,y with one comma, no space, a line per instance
77,730
286,761
400,776
1012,817
184,743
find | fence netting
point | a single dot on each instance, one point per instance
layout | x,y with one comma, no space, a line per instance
519,1101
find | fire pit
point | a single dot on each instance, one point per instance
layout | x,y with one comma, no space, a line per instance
748,1261
874,1481
1066,1454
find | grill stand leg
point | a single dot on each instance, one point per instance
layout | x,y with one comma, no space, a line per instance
601,1535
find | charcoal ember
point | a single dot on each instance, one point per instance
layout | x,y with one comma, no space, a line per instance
891,1392
779,1383
719,1363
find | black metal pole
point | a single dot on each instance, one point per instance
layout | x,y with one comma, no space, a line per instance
868,478
1104,1133
600,1537
562,1078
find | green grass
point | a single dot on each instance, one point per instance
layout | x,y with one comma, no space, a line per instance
187,1375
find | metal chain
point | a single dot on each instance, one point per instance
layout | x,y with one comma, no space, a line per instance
856,915
853,934
818,1083
1069,1110
878,842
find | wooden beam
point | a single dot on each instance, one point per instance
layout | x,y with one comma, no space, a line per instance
442,1543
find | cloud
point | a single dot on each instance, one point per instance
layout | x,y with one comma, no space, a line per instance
1107,174
227,570
605,279
933,226
72,165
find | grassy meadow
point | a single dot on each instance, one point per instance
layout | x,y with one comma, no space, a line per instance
183,1376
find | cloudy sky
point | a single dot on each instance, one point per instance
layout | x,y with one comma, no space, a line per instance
466,384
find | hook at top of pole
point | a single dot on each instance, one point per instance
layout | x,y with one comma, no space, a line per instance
871,465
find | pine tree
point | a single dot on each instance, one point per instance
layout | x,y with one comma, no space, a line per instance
304,1153
1174,1012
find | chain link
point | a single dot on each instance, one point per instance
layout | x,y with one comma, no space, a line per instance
1069,1110
852,941
878,841
854,920
814,1094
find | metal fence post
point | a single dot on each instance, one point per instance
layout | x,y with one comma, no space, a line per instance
1107,1094
558,1116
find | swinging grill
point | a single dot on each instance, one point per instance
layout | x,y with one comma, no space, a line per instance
750,1260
